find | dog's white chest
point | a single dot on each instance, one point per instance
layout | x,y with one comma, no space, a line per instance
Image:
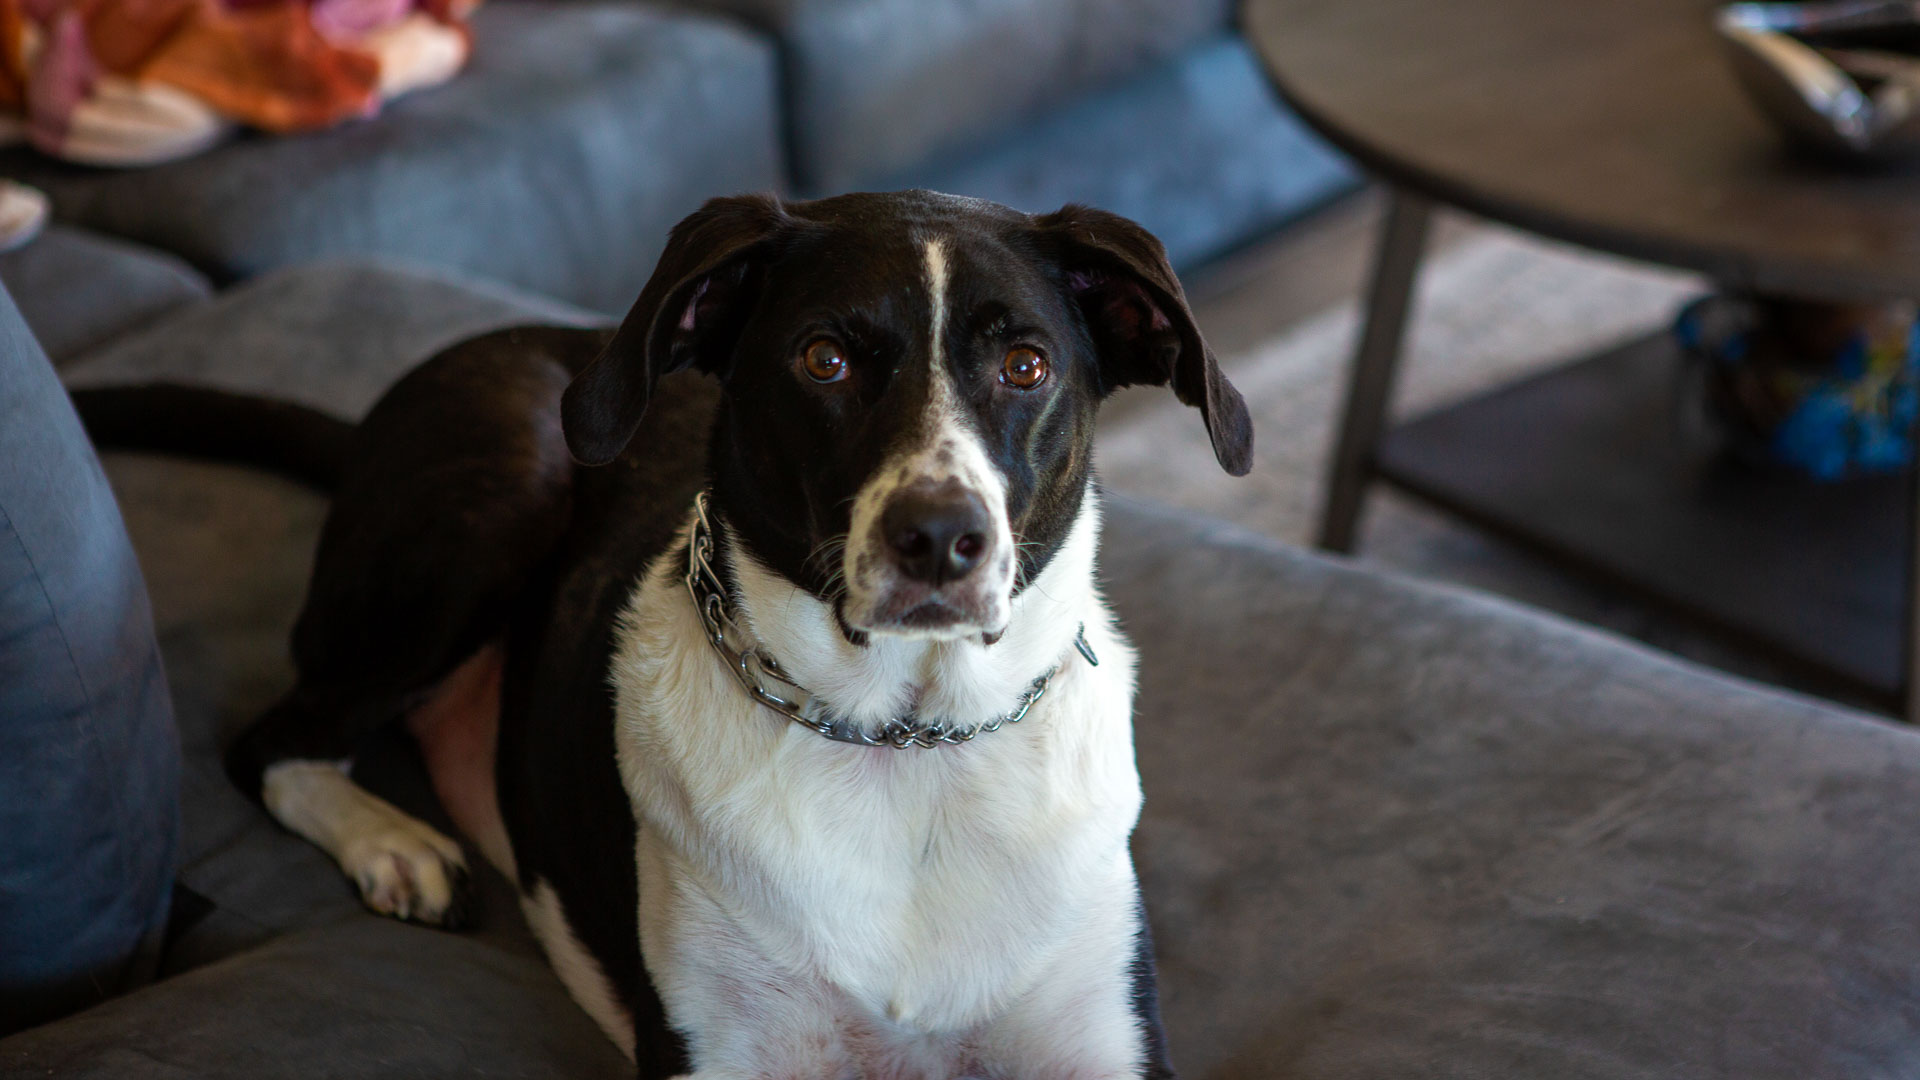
890,913
878,914
923,887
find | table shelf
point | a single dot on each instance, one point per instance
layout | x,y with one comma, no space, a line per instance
1592,465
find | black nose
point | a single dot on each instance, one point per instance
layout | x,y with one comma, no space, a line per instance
936,532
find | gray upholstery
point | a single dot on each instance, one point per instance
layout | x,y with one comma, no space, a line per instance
875,86
78,289
1198,150
368,997
1394,830
89,759
333,336
580,132
555,161
1391,830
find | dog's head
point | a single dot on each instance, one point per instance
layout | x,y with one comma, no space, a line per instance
910,382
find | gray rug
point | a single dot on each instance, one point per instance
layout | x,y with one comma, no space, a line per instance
1493,307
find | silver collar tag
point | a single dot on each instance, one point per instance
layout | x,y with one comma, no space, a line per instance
764,680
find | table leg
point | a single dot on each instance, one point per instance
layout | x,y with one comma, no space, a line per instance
1396,265
1910,689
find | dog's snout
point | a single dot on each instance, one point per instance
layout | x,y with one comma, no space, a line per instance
937,533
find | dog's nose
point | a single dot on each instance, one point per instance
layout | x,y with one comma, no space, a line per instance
936,533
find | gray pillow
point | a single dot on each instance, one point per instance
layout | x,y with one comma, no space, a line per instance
89,759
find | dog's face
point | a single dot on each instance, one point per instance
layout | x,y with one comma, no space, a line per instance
910,383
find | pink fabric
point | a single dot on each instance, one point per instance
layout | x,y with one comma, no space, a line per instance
346,21
61,80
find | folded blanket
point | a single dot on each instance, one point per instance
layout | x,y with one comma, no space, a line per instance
129,82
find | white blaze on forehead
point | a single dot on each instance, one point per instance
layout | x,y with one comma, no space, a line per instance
936,256
945,446
942,424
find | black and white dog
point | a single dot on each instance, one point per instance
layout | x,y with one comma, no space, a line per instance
827,772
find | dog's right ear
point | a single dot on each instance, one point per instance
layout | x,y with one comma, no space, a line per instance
689,312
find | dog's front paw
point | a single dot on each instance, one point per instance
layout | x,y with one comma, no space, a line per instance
410,871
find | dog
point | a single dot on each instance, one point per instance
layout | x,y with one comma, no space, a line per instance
811,754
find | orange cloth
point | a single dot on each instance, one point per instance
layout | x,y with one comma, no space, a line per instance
259,62
264,66
13,68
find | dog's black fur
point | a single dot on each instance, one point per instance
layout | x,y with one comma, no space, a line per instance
461,518
761,280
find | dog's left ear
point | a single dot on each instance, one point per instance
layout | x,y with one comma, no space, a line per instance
689,313
1118,274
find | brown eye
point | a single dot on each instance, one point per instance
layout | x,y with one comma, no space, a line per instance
1024,369
823,362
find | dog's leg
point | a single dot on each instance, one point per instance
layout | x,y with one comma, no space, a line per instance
294,759
1095,1013
455,491
403,866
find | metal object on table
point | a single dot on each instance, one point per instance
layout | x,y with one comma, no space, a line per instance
1842,76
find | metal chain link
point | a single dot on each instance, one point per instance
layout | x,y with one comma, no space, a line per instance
764,680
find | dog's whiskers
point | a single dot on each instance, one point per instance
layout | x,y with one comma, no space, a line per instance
825,562
825,556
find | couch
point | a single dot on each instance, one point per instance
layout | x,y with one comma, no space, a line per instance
582,129
1392,829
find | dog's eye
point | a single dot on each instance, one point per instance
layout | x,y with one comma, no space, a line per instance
824,362
1023,368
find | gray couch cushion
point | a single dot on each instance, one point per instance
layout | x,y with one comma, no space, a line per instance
555,161
89,759
79,289
227,550
332,335
1198,150
368,997
875,86
1395,830
1391,830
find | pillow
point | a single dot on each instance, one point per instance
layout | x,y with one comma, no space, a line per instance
89,758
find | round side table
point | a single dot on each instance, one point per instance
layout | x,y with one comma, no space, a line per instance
1616,125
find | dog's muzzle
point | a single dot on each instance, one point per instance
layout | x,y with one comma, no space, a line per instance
935,564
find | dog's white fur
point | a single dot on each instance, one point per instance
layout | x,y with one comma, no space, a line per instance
579,972
812,909
403,866
807,907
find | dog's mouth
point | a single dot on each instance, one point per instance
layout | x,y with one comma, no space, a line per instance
932,615
913,611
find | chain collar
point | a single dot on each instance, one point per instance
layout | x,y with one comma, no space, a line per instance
764,680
